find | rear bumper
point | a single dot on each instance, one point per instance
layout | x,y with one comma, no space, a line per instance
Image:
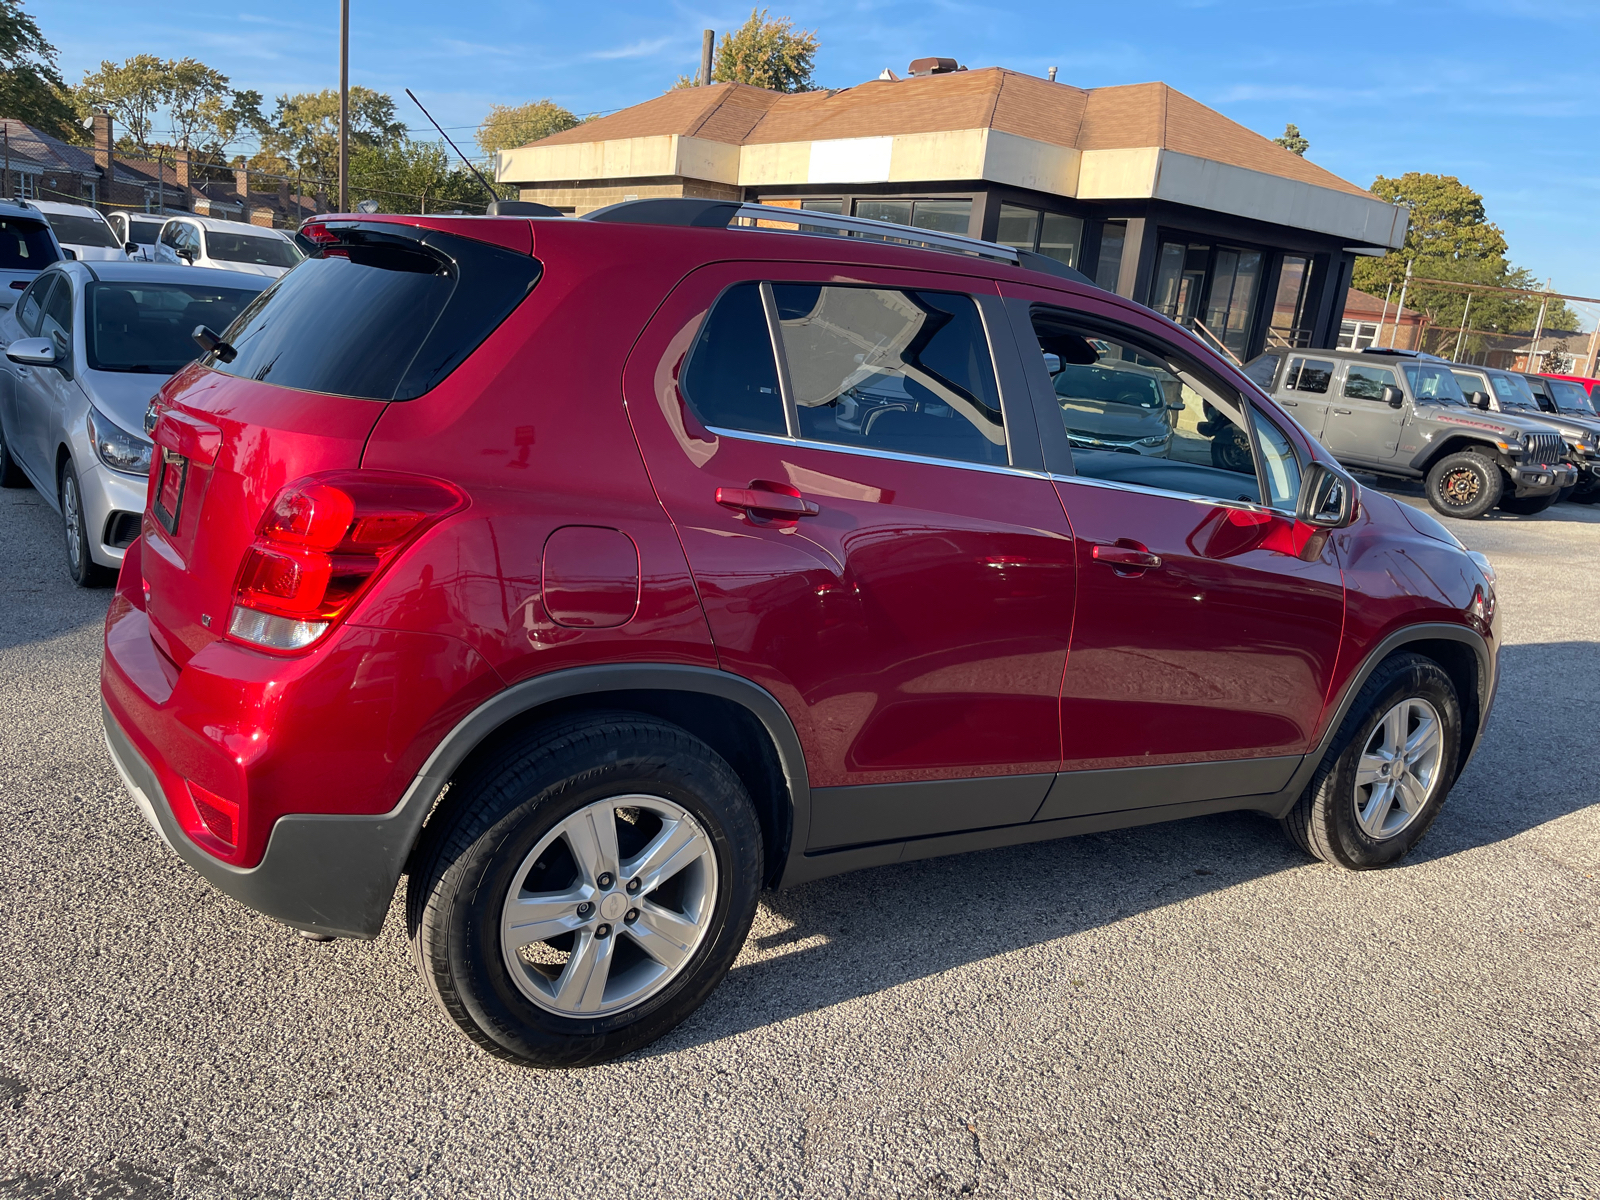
326,874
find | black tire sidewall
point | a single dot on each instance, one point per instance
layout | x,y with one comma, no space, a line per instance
81,569
11,473
487,868
1355,848
1489,471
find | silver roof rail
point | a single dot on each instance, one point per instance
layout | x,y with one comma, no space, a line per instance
805,220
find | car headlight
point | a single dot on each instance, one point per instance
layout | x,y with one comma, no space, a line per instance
116,447
1154,441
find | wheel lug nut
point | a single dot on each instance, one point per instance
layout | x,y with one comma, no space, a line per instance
633,885
585,909
602,931
631,916
606,879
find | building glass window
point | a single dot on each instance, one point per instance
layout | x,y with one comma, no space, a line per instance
1113,237
1230,308
836,207
1054,235
1288,306
1180,278
940,216
27,186
1357,335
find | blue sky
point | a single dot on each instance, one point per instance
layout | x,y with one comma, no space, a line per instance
1504,94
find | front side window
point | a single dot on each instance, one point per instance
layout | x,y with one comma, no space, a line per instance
244,248
1138,415
1435,383
1469,383
147,328
1308,375
32,302
1512,391
55,318
1367,383
172,234
1280,467
908,372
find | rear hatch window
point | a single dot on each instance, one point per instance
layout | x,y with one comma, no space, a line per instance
25,245
376,313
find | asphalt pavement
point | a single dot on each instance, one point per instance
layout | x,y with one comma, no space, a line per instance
1182,1010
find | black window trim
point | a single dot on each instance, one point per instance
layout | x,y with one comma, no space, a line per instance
1015,401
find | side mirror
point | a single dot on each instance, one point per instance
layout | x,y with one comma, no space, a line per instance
1394,397
69,254
1176,406
186,254
1479,400
32,352
1327,497
132,248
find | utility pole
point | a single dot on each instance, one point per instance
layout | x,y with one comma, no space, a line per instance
1399,309
1538,332
161,182
706,41
5,187
344,105
1460,337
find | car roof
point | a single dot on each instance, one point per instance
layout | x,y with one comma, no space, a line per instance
133,271
14,211
63,208
231,226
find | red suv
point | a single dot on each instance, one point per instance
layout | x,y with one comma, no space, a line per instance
596,574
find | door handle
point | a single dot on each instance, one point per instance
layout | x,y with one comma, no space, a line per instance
1342,411
1126,556
1290,403
779,504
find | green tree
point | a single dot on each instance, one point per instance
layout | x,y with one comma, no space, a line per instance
1293,140
194,95
408,176
1450,237
303,134
31,87
509,125
133,92
766,54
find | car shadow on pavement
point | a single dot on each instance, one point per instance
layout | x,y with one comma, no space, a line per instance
37,596
855,935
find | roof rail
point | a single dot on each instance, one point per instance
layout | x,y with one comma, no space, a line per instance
686,211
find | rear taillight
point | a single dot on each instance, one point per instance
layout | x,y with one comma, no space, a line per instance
220,816
321,543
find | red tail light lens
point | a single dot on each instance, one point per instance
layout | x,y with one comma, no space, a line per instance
321,543
219,816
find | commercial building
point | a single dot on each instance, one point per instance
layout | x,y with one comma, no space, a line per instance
1149,192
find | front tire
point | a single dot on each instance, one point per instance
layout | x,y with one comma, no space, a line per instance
586,890
85,572
1464,485
1387,772
11,473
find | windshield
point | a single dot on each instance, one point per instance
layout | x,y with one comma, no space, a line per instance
1512,392
1570,397
144,233
25,246
242,248
147,328
82,231
1433,383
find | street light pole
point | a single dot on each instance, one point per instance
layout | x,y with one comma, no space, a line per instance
344,105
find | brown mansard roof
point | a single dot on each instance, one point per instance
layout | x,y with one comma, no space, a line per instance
1108,118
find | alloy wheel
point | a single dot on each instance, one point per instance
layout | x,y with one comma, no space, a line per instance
69,515
1461,487
609,906
1399,769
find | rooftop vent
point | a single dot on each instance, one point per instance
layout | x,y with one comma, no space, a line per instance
933,66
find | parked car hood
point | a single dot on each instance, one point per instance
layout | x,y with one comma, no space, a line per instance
96,253
247,268
122,395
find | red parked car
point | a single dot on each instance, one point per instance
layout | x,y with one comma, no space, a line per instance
595,574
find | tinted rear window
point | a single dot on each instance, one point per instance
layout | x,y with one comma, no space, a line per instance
83,231
378,314
25,246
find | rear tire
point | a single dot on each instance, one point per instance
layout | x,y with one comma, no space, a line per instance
11,473
635,947
1527,506
1464,485
1384,778
85,572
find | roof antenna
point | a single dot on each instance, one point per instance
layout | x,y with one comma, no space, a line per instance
493,195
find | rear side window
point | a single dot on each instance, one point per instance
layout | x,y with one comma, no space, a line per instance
732,379
1261,370
378,314
25,246
1367,383
1308,375
908,372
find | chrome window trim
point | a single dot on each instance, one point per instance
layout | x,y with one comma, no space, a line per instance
868,452
1189,497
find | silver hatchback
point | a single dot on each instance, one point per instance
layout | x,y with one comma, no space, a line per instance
87,345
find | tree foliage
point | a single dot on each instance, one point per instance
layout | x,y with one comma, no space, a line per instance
1451,237
303,134
31,87
511,125
1293,140
406,176
765,53
203,113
